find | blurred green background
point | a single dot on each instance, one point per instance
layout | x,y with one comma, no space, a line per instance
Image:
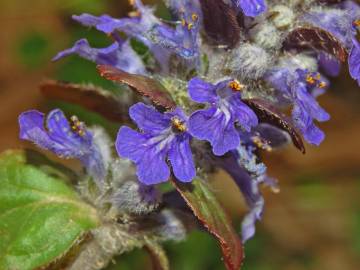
313,223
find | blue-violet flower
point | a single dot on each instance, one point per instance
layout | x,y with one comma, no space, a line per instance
251,8
342,22
183,40
164,136
119,55
216,124
67,139
301,88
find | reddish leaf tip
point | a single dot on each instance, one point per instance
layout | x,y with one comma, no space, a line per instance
143,85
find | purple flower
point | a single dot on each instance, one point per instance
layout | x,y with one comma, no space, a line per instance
251,8
135,26
329,64
216,124
354,61
183,40
342,23
163,136
119,55
301,87
138,27
67,139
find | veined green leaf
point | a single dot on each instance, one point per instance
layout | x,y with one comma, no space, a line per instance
41,217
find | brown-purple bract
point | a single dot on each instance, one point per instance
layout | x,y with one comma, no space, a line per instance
143,85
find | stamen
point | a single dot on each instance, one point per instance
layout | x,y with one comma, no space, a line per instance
183,22
77,126
178,124
322,85
356,22
236,85
134,14
310,79
275,190
194,17
260,143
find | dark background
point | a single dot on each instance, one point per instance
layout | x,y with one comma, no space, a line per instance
313,223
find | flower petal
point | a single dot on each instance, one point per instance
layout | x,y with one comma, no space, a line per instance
121,56
137,27
251,8
181,158
305,124
60,139
104,23
329,64
153,169
212,125
60,131
354,61
243,114
309,103
83,49
275,136
201,91
151,164
131,144
148,119
32,129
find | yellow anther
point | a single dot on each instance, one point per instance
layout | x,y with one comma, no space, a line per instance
183,22
236,85
190,26
322,85
261,144
318,76
275,190
77,126
81,132
134,13
310,79
194,17
178,124
356,22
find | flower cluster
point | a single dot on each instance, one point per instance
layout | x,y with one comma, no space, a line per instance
214,86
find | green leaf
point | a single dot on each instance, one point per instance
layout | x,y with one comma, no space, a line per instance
208,210
41,218
33,49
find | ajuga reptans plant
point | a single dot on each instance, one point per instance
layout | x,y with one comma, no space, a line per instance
218,83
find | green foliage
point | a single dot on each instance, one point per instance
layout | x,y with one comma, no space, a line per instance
199,251
33,49
356,232
41,218
77,70
81,6
135,260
